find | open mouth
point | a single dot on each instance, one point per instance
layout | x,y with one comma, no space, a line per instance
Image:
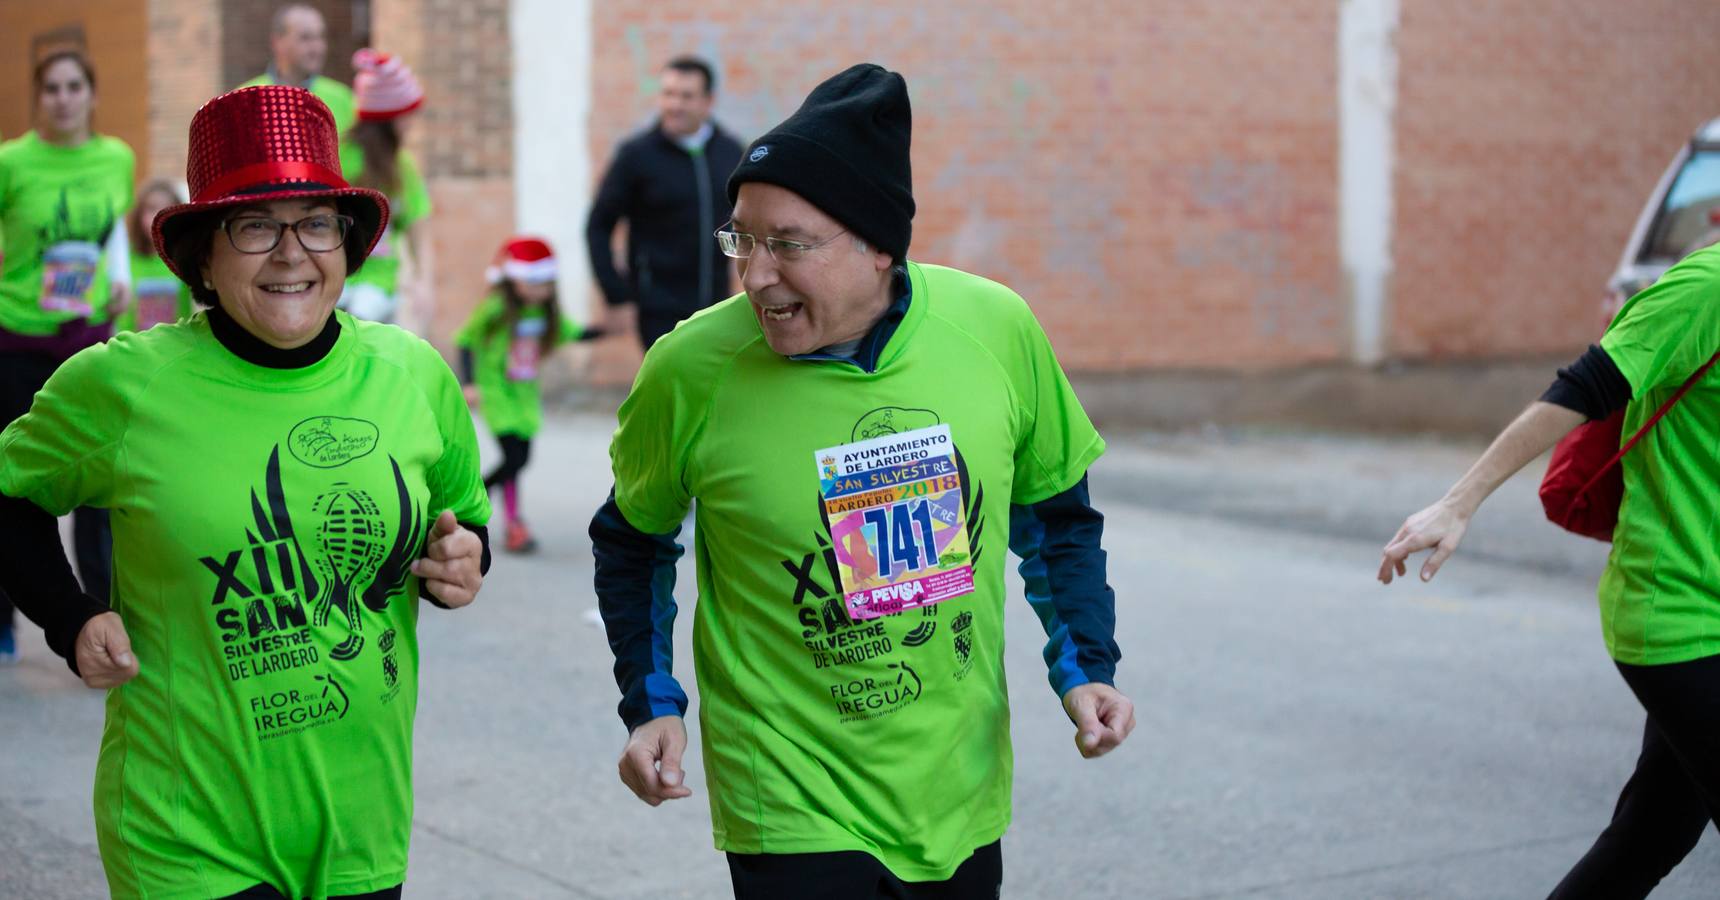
779,313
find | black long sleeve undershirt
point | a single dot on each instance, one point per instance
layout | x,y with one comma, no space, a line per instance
1592,385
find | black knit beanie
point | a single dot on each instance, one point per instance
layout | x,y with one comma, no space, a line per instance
846,151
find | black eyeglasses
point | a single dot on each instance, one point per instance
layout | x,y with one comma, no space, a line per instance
261,234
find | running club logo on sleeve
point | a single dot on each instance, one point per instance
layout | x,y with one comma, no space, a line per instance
902,531
296,579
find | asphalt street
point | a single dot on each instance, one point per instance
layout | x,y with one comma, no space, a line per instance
1304,731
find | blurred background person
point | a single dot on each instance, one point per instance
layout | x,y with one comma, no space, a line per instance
667,182
157,295
298,48
373,155
64,192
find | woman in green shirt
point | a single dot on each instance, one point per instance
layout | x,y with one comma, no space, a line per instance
287,482
64,191
157,295
373,155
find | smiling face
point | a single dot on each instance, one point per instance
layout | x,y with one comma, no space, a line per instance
285,296
833,294
301,46
64,102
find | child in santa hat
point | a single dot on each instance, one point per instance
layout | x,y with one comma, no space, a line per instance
501,346
373,155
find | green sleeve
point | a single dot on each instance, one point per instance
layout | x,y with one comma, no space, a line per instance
414,196
1057,442
62,453
660,422
1666,332
260,79
454,480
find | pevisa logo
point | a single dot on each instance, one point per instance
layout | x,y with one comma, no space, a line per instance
329,442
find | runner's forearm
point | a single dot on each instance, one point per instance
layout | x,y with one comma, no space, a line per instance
35,573
635,582
1063,565
1532,434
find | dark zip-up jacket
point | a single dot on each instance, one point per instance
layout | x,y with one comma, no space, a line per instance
672,201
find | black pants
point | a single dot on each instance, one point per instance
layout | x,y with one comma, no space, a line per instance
1674,792
853,875
516,452
21,376
264,892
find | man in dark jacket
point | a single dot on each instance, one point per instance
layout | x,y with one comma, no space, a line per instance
668,183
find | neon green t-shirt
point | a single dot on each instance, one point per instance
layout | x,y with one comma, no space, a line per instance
406,208
263,520
888,735
1660,594
157,296
505,364
336,96
57,208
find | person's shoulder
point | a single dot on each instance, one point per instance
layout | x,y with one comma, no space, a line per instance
723,139
254,81
966,297
393,344
325,85
18,148
702,346
130,361
113,147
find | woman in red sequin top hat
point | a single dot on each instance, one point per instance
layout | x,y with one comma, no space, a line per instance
260,653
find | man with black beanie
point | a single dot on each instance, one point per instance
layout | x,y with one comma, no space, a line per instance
861,434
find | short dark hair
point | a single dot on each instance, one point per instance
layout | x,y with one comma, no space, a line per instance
189,244
278,22
694,65
39,75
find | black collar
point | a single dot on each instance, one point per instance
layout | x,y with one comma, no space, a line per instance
254,350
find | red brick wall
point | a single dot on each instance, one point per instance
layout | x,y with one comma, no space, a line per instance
1528,137
1159,183
184,72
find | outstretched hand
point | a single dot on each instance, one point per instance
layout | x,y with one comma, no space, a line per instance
1440,526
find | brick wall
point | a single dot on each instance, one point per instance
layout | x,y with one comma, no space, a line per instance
1159,183
184,72
463,138
1528,137
110,33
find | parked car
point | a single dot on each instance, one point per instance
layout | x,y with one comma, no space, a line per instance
1682,215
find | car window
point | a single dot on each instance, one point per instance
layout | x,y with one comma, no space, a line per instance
1683,222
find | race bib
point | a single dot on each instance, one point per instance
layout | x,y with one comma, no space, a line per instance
157,302
524,349
894,505
68,270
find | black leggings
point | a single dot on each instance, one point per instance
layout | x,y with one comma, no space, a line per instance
21,376
516,451
1674,792
264,892
853,875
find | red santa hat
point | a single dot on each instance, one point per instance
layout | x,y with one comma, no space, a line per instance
528,259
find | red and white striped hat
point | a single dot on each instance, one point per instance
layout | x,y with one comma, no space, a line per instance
524,258
384,87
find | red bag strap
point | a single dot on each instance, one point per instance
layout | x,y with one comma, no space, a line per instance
1654,419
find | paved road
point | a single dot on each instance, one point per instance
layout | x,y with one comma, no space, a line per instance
1304,732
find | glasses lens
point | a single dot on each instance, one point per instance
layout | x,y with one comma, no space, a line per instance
322,233
253,234
734,244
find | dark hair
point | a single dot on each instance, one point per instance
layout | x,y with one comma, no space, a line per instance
39,75
694,65
380,143
278,21
513,305
142,242
193,237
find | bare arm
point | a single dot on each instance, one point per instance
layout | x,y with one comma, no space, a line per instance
1441,526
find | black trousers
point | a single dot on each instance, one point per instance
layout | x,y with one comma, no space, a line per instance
264,892
21,376
853,875
1674,792
516,452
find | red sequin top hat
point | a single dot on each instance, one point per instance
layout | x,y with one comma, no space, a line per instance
263,143
528,259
